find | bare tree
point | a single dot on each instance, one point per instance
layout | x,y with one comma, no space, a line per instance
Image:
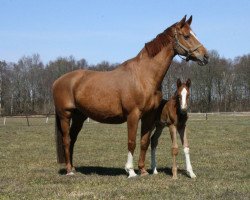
222,85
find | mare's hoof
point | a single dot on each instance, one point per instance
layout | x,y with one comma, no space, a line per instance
131,173
70,174
174,177
144,172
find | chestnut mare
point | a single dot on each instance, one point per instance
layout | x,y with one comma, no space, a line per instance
173,114
128,93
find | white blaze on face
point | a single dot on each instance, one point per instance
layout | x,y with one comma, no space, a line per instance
193,34
183,98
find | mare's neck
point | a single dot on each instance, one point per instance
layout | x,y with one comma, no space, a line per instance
155,68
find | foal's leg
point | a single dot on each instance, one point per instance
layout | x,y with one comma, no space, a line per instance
132,122
76,126
147,125
183,136
173,131
154,143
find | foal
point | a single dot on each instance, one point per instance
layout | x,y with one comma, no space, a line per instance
173,114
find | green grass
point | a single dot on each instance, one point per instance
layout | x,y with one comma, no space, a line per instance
219,147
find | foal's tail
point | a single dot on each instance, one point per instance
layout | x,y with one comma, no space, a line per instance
59,141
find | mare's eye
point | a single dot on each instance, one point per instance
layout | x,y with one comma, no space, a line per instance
186,37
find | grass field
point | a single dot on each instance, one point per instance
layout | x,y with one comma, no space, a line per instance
219,147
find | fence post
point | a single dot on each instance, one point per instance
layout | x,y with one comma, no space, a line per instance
47,119
28,123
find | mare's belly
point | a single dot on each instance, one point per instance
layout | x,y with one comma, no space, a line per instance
109,120
109,112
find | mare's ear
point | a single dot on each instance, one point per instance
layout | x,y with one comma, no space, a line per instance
188,83
189,21
178,83
181,23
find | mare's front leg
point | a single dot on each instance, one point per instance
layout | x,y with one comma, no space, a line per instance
147,126
183,136
173,131
154,142
132,123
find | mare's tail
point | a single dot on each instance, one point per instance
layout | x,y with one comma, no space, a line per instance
59,141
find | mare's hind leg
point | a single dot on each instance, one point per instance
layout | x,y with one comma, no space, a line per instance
65,118
173,131
154,143
183,136
77,121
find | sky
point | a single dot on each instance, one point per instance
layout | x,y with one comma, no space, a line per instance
116,30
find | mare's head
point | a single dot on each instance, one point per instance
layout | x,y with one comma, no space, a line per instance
186,42
183,94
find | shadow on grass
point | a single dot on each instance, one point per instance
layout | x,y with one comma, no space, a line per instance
109,171
102,171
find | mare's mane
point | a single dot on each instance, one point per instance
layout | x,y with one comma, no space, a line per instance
161,40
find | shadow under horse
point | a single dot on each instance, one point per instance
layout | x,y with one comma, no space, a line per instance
126,94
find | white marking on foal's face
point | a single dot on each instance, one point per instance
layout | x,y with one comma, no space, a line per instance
193,34
183,98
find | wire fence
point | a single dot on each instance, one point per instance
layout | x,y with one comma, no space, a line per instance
48,119
31,120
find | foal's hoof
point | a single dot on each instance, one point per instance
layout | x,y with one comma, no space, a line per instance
174,177
70,174
155,171
191,174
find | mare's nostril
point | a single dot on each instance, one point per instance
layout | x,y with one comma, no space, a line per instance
206,57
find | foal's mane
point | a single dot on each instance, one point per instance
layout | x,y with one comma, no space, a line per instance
161,40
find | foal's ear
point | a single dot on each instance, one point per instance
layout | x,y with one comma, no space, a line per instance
188,83
189,21
181,23
178,83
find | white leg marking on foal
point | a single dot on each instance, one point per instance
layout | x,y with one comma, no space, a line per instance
153,161
129,167
183,98
188,163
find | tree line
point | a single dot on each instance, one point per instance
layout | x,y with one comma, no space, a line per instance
223,85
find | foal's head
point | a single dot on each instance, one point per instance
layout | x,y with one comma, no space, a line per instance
183,94
187,44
